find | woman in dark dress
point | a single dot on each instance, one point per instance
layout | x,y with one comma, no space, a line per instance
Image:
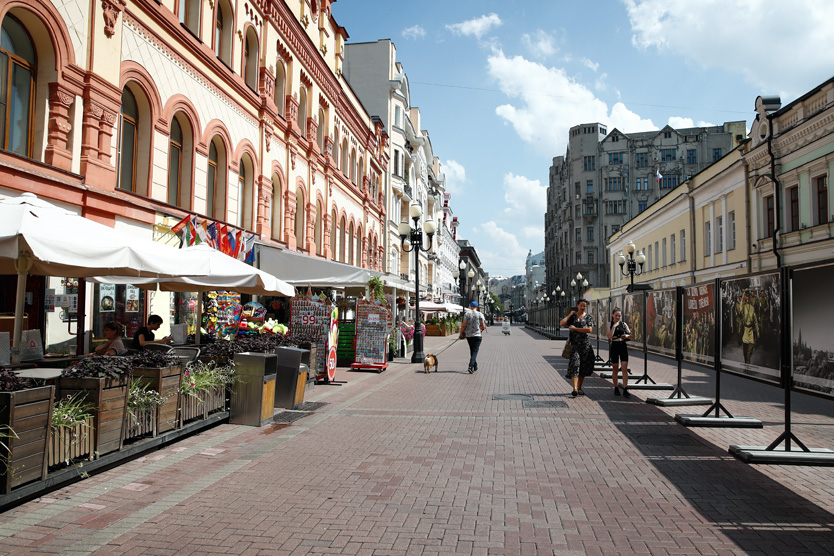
581,363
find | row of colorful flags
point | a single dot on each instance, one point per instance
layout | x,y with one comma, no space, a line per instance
217,235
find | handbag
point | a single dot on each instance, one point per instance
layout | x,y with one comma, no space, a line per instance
567,351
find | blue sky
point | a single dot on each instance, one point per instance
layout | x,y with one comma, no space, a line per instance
500,83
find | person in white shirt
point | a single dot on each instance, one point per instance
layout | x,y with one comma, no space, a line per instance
473,324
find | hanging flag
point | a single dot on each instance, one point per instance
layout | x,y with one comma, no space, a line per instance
193,239
211,231
231,243
181,224
238,244
186,236
249,257
202,232
222,239
658,176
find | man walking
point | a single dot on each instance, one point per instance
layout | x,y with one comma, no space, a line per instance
473,324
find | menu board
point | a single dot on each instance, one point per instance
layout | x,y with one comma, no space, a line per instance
107,298
131,299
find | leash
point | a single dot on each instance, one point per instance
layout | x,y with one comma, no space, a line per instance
447,347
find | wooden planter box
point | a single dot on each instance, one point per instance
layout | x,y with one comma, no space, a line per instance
70,443
109,397
28,413
193,407
434,330
142,424
166,381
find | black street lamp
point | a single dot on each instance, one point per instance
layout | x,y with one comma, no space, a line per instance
411,239
632,261
458,275
580,285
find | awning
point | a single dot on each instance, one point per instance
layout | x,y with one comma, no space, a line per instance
431,307
453,307
302,270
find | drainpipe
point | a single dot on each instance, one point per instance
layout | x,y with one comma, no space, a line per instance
777,192
693,234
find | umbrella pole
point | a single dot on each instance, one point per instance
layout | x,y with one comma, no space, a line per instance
199,318
22,265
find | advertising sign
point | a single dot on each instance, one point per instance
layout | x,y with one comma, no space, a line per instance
699,323
131,299
107,298
812,299
661,322
750,324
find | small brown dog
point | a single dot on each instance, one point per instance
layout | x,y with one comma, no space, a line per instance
429,362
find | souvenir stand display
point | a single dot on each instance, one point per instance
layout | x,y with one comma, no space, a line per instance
310,316
221,317
371,341
252,318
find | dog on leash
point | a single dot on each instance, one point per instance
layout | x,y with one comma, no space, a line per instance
429,362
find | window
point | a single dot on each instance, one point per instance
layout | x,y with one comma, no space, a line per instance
731,230
793,203
579,258
716,154
650,258
277,214
641,206
656,255
353,166
719,234
299,218
302,111
576,210
577,189
332,226
672,249
770,222
174,163
223,23
615,138
18,68
614,184
128,121
663,253
691,157
589,187
245,197
578,234
590,232
281,93
342,240
250,59
669,181
397,115
641,160
615,159
216,181
590,163
317,231
667,155
350,243
683,245
590,257
343,156
642,184
822,200
190,15
707,239
320,130
667,134
396,162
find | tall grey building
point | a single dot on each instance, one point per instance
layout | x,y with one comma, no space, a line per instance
604,179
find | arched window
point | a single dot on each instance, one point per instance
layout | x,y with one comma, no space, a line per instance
277,215
353,166
18,68
280,87
350,259
344,156
317,231
358,249
320,132
223,23
333,235
216,181
175,164
128,125
394,267
250,59
302,110
342,240
244,193
299,218
190,15
336,147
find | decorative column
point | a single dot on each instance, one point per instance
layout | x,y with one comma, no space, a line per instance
310,226
59,126
263,220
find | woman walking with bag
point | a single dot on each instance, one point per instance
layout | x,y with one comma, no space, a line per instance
618,335
581,363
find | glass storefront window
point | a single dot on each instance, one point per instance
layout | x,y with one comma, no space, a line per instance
124,304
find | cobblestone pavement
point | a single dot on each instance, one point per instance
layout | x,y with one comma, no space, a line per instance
407,463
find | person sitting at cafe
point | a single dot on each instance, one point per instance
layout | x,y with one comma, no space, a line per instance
113,340
145,334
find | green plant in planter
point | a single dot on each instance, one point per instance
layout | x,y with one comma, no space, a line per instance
376,289
204,377
141,399
153,360
71,411
100,366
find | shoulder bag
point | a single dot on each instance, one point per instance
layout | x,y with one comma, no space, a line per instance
567,351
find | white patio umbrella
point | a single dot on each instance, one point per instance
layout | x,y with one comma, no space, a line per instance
225,273
40,238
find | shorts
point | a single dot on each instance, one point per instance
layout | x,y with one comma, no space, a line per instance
618,351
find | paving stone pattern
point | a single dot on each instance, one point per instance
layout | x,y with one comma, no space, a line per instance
451,463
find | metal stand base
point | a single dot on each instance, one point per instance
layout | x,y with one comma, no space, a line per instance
795,456
650,386
608,373
674,402
727,422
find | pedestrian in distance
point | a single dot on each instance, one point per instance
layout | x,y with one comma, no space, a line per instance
581,362
618,334
145,334
473,324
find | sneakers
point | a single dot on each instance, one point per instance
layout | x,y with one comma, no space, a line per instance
616,390
471,369
625,393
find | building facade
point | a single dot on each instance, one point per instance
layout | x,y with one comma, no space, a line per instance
605,179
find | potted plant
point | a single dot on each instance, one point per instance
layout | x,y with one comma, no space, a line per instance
376,290
71,431
103,382
203,389
143,407
25,413
161,373
392,345
433,327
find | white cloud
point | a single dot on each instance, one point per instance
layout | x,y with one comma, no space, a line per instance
770,42
455,176
415,32
593,66
678,122
540,44
477,27
550,103
508,257
526,200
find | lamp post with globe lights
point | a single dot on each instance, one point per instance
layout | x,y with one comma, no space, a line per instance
411,239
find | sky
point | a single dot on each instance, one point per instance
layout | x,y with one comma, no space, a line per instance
499,84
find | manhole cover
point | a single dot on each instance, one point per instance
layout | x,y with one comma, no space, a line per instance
543,404
310,406
289,416
667,440
512,396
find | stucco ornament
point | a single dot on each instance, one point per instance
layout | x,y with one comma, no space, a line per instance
111,10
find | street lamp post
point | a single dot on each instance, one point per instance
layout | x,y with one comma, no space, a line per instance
580,284
411,239
629,268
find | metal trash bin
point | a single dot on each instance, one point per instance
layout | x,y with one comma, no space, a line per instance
288,370
254,390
